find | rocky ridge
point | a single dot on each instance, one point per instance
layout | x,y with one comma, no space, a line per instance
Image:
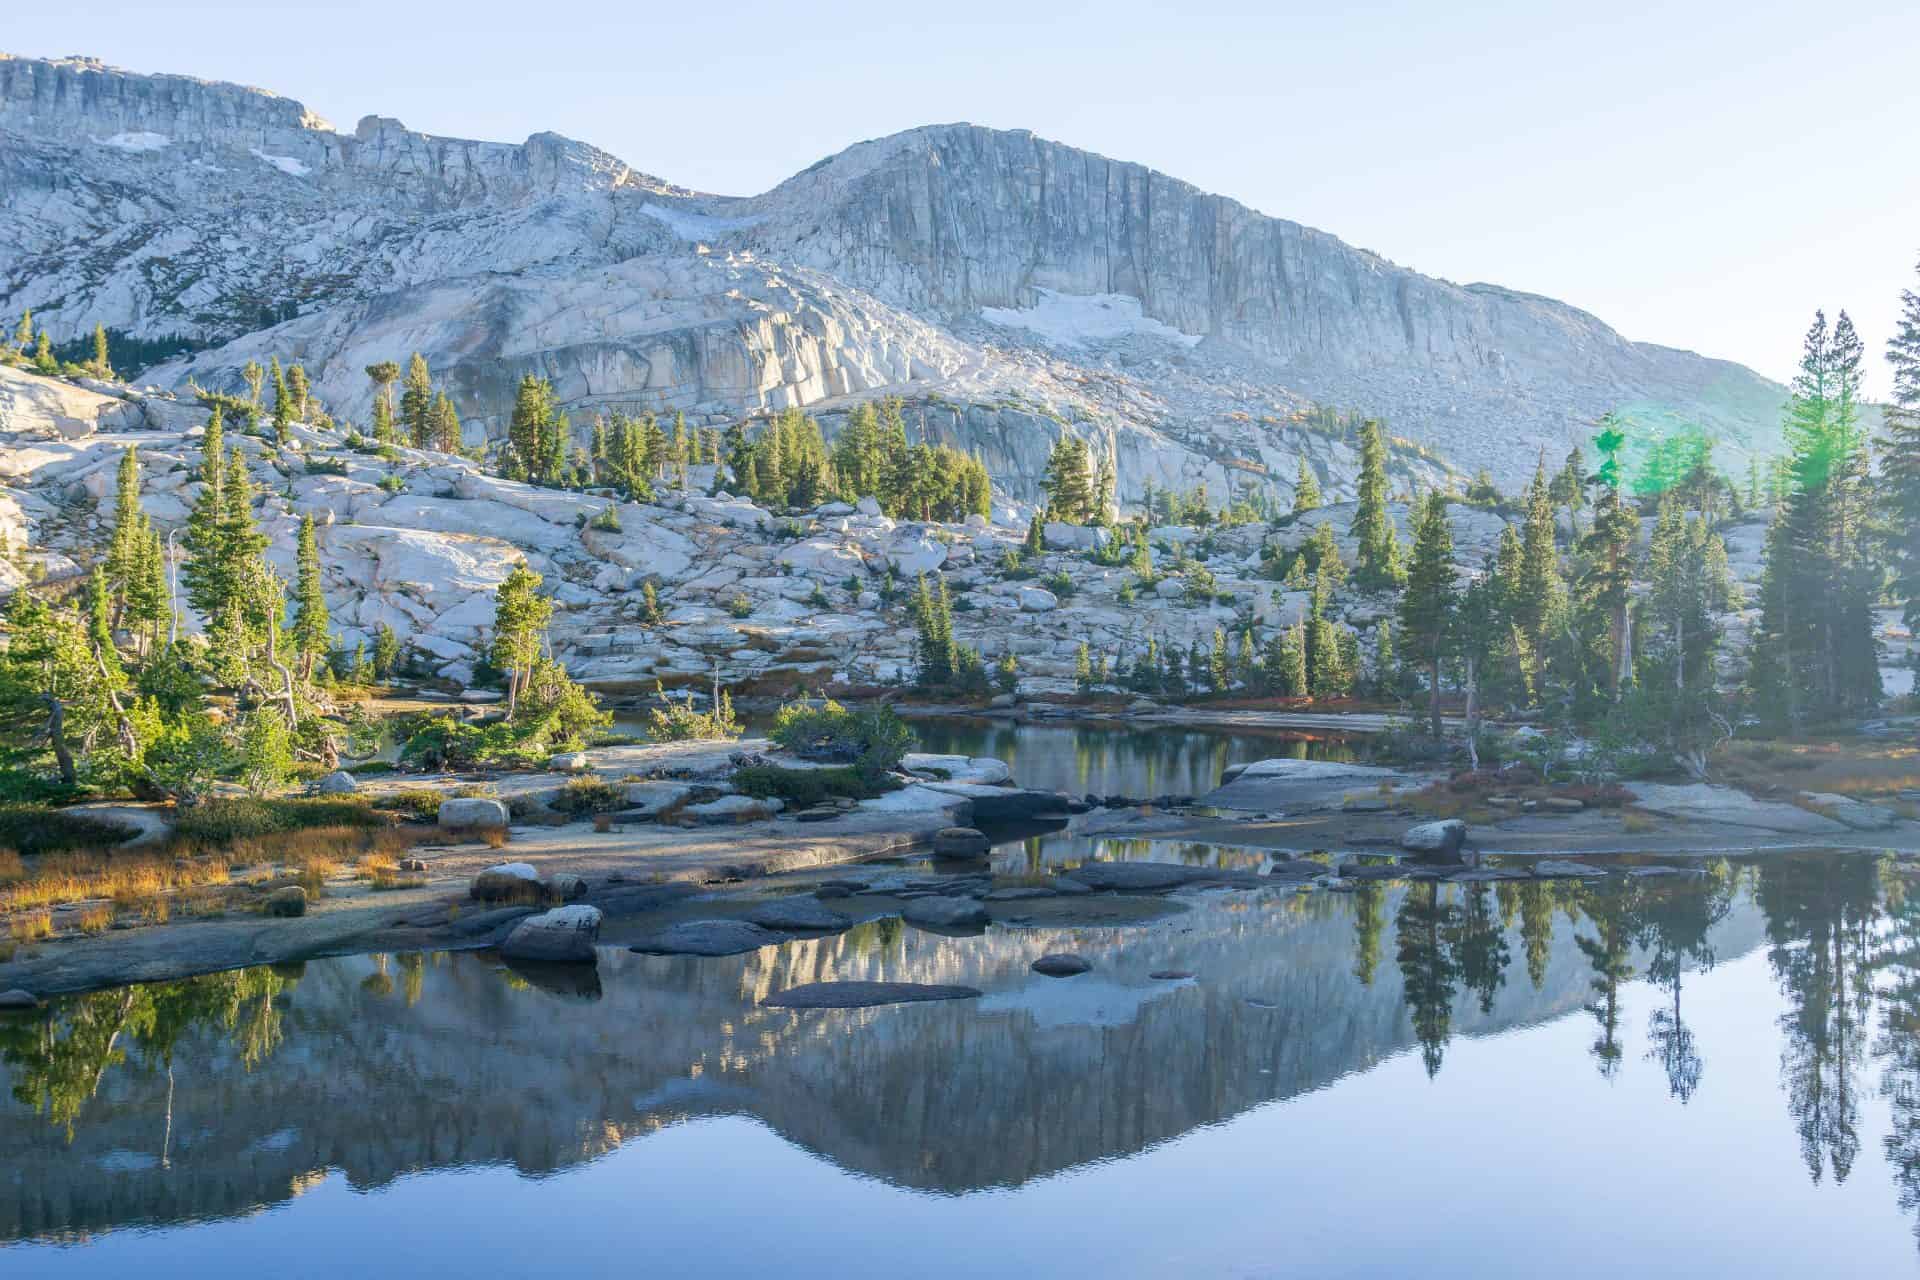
1010,288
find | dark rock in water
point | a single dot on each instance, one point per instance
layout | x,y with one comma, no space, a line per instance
564,935
707,938
798,913
572,981
945,912
1298,869
1153,877
833,891
1060,965
862,995
1171,975
1378,871
290,901
819,813
1068,887
18,999
960,842
1015,893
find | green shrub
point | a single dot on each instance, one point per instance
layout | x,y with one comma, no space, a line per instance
422,804
804,788
872,738
582,796
675,720
33,829
740,606
243,818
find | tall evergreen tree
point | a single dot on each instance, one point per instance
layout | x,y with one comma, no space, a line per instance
127,549
383,375
1900,455
416,403
1376,557
520,618
1306,489
101,366
445,425
1427,607
282,403
311,626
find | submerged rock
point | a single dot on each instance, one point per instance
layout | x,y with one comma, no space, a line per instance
564,935
945,913
862,995
806,913
18,999
960,842
1061,965
1154,877
707,938
1563,869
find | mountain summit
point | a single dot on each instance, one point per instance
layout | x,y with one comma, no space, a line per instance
1008,287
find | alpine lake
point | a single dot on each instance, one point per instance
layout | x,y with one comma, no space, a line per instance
1699,1075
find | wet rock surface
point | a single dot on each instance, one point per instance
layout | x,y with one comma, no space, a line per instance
862,995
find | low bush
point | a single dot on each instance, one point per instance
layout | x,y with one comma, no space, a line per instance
583,796
803,788
419,804
34,829
872,738
223,821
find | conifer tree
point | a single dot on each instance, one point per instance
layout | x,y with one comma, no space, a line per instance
445,425
282,403
208,586
1569,489
1218,674
43,358
102,367
1069,481
1900,455
386,651
416,403
1538,594
1306,489
255,376
127,549
1427,607
1372,529
23,332
383,375
302,392
310,631
1606,585
520,618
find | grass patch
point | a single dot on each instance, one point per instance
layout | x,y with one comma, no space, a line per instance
582,796
226,820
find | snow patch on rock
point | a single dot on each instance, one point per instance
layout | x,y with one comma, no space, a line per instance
286,164
1074,320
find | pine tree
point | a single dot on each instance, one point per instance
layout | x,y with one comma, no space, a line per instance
23,332
386,651
1569,489
445,425
43,358
102,367
310,631
383,375
282,403
1218,673
148,600
1372,529
1326,668
127,549
1306,489
1538,594
1082,669
1427,607
1900,455
1605,588
208,586
302,392
520,618
416,403
255,376
1069,482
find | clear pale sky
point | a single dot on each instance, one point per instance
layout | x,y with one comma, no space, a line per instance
1701,174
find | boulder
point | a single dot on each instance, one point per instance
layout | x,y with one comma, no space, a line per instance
707,938
1435,839
1000,804
18,999
945,913
337,783
806,914
654,799
564,935
505,881
569,762
472,813
1038,600
1061,965
960,842
862,995
287,902
1073,537
566,887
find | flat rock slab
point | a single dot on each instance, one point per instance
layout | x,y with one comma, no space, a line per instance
707,938
1563,869
1298,785
1153,877
1704,802
945,912
864,995
806,913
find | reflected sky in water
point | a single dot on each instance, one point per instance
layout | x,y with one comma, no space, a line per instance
1703,1078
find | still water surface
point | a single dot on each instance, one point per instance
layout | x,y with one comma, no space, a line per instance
1662,1079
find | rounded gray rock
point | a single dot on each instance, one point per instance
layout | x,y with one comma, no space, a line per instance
287,902
805,913
564,935
960,842
707,938
1061,965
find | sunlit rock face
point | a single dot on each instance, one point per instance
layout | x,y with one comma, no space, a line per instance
1010,288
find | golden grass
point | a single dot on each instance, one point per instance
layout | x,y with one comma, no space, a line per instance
187,878
1636,823
30,926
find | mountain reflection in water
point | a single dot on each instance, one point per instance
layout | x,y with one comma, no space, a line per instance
209,1098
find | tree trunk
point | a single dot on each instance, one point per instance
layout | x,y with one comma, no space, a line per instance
57,738
1473,713
1433,700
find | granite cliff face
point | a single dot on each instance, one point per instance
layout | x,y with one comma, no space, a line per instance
1010,287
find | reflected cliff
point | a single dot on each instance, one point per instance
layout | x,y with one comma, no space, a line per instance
217,1095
